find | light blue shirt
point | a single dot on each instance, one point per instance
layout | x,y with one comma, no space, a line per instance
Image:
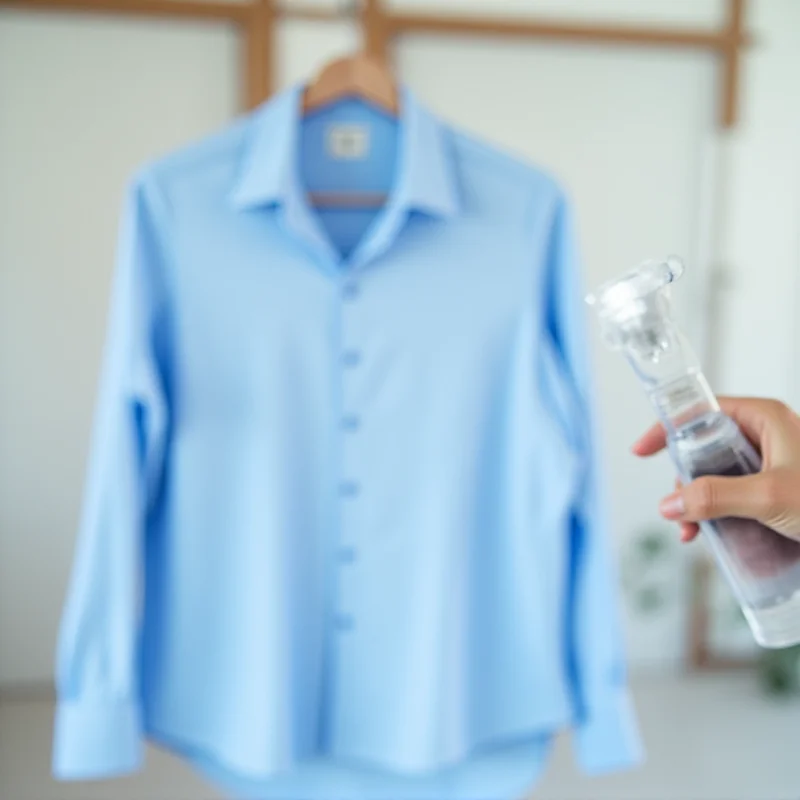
344,531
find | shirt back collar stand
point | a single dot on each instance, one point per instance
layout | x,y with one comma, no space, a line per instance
425,182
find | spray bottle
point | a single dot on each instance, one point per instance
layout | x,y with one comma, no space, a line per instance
761,566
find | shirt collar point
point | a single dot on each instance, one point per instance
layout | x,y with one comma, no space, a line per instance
431,179
266,152
244,198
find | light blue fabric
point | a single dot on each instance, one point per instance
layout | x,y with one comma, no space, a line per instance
344,531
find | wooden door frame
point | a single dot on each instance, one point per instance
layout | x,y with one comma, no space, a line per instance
256,21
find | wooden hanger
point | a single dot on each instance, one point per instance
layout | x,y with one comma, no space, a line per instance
363,77
360,76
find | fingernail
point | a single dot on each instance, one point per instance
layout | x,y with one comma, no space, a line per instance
672,507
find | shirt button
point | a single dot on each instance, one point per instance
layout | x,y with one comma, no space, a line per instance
348,489
351,422
347,554
351,358
350,291
343,622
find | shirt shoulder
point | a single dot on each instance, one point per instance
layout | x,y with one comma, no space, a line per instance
208,165
492,170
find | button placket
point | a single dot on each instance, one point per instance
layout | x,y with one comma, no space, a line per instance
343,622
349,488
350,290
350,424
351,357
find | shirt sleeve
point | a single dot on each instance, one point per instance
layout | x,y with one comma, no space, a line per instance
606,734
98,724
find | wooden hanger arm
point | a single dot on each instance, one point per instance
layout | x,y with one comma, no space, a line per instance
354,76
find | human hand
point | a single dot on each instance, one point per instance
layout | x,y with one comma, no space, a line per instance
772,496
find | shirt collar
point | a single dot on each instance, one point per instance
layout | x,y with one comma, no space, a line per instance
426,175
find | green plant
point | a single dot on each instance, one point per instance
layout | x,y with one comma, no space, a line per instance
646,586
779,671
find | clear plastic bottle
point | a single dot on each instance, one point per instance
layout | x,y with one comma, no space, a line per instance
761,566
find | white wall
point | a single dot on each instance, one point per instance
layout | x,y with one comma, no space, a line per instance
82,100
757,328
629,131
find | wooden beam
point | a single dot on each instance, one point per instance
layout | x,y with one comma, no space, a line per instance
375,29
259,53
697,654
310,13
406,22
700,657
191,9
731,64
258,20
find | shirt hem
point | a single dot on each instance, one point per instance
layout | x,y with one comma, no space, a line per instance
223,775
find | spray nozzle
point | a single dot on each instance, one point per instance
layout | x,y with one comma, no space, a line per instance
634,310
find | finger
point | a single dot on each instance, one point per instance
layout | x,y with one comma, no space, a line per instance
653,441
754,414
689,531
710,497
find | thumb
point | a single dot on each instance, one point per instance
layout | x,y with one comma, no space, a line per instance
712,497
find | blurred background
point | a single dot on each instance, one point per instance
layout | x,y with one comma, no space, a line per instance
633,132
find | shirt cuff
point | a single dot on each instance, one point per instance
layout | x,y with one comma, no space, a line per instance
94,739
608,739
